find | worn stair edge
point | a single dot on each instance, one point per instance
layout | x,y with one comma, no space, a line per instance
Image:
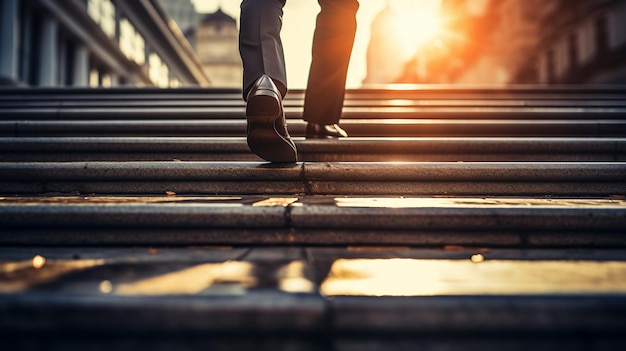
75,149
374,145
317,171
309,313
316,237
385,90
228,101
355,128
531,113
261,312
480,314
443,178
343,217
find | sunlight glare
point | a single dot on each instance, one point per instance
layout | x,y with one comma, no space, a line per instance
417,28
427,277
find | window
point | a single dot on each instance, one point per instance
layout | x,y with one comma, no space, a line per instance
103,13
131,42
158,71
94,78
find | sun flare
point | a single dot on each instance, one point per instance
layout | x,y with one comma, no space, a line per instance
415,28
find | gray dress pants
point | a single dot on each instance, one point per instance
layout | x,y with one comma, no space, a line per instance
261,51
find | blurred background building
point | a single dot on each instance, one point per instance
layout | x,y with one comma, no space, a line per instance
214,37
167,43
514,42
97,43
182,12
216,40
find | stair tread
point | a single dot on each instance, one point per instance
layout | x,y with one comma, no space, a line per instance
147,239
326,220
308,290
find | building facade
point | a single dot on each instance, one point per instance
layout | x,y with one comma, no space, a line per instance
581,42
216,41
542,42
96,43
182,12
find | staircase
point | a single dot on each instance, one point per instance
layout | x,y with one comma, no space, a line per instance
452,218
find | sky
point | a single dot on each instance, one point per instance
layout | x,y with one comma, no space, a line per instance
299,25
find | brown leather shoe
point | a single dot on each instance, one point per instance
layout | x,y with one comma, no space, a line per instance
267,128
324,131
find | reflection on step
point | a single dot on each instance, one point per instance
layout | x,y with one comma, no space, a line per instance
18,276
192,280
412,277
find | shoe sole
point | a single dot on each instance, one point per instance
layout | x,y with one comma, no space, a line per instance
262,111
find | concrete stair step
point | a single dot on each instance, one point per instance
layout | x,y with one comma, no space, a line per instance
410,178
137,218
443,102
31,149
312,220
314,298
411,92
212,101
146,111
355,127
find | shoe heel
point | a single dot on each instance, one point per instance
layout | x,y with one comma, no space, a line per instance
262,112
263,103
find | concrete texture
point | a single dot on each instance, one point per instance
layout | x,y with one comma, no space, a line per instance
63,149
433,178
218,220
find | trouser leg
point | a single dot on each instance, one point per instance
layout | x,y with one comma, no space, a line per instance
332,47
260,46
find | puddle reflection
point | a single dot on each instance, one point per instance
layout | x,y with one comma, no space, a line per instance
216,278
227,278
292,278
22,275
191,280
413,277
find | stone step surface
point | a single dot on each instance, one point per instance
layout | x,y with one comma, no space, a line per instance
421,92
442,102
453,218
370,127
32,149
357,112
316,178
314,298
316,220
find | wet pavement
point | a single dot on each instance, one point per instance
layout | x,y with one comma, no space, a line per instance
311,298
349,271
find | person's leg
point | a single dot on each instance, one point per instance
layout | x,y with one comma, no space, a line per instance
260,46
264,80
332,47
